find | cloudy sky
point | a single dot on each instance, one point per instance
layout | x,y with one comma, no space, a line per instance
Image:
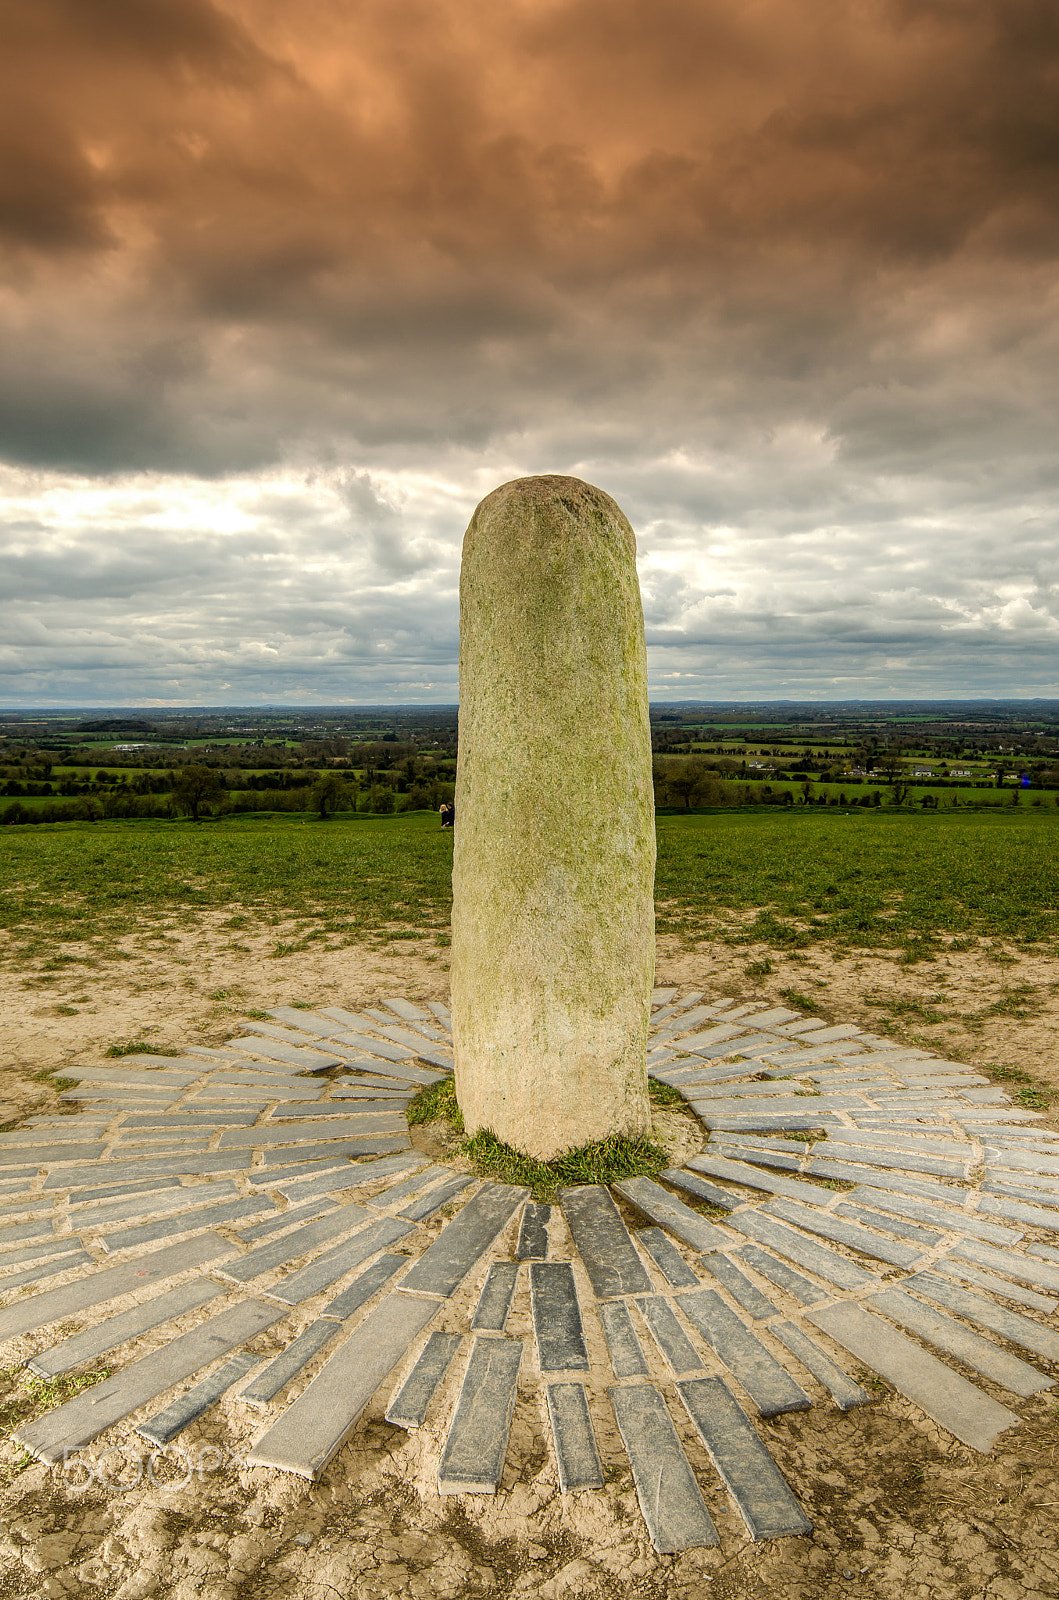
287,288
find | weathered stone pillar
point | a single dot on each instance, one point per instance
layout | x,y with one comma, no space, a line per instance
553,875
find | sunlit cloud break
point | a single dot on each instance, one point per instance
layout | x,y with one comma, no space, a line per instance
287,291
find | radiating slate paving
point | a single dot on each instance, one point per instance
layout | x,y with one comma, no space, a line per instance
670,1499
739,1286
36,1311
969,1347
669,1212
292,1245
409,1407
750,1475
311,1103
364,1285
472,1461
326,1269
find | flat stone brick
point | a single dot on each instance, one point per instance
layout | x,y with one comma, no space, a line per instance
473,1459
748,1472
670,1499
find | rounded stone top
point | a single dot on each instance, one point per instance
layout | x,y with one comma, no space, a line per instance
552,492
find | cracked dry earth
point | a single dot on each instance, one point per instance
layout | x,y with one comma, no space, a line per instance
898,1502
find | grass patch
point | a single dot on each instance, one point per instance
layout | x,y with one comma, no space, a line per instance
29,1396
759,969
137,1047
436,1101
795,997
664,1094
602,1162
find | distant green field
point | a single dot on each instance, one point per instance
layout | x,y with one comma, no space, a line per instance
885,877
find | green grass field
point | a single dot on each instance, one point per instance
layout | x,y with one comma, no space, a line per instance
879,878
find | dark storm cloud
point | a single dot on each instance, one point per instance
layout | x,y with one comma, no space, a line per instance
780,278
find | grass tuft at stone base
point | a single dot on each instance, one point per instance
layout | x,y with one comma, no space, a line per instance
602,1162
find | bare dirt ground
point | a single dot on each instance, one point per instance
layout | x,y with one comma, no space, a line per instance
899,1509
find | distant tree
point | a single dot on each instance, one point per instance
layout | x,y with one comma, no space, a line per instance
330,793
195,786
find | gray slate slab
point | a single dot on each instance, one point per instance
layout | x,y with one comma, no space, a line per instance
941,1218
494,1302
298,1243
410,1405
434,1199
472,1461
779,1273
113,1191
668,1335
904,1160
367,1283
771,1388
114,1331
464,1240
49,1155
271,1133
533,1232
557,1317
603,1242
74,1257
290,1054
290,1218
287,1365
353,1175
818,1258
307,1021
751,1177
623,1347
1019,1211
960,1341
314,1427
326,1269
999,1286
955,1404
901,1229
670,1499
738,1285
1010,1325
376,1145
748,1472
79,1421
576,1454
669,1212
667,1258
177,1222
843,1391
701,1188
851,1234
187,1408
1009,1262
38,1310
151,1167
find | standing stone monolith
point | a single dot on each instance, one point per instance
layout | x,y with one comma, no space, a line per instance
553,871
